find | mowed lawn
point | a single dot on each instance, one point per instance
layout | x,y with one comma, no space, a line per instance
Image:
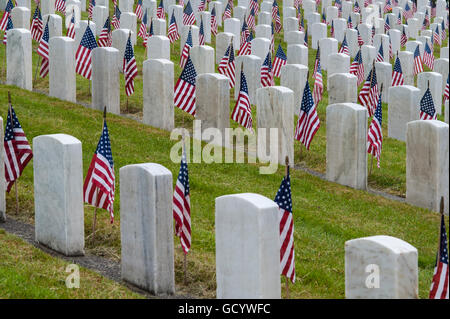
325,214
28,272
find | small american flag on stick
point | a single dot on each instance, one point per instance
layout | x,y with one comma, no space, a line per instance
186,49
9,26
286,221
60,5
83,56
173,29
182,206
357,67
397,74
368,96
184,96
375,134
427,109
37,25
6,15
267,71
99,184
105,37
440,283
418,63
17,149
129,67
43,51
242,112
116,18
188,15
308,122
227,66
71,28
139,11
279,61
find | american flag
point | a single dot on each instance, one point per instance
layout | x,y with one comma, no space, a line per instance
213,21
17,149
380,55
9,26
428,56
188,15
344,47
349,23
181,3
397,74
301,26
186,49
37,25
360,39
388,6
324,18
444,33
173,29
251,20
99,184
201,33
116,18
91,8
403,38
272,38
182,206
267,72
129,67
255,6
387,26
425,22
357,68
308,122
446,91
201,6
6,14
246,46
318,83
286,221
227,12
375,134
160,13
84,54
368,96
185,89
242,112
305,40
279,60
278,21
316,61
391,53
408,12
433,9
373,31
357,8
42,50
139,11
436,36
439,285
60,5
332,29
143,28
418,67
71,28
427,110
227,66
399,19
105,37
274,9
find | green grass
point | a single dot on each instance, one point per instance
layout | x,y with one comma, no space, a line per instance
28,272
326,214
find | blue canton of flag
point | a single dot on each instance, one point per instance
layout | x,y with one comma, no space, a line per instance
427,110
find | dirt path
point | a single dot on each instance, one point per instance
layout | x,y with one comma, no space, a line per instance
103,266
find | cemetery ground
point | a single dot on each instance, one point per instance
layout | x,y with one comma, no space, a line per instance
325,214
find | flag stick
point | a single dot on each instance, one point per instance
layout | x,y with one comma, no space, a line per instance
185,268
286,175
